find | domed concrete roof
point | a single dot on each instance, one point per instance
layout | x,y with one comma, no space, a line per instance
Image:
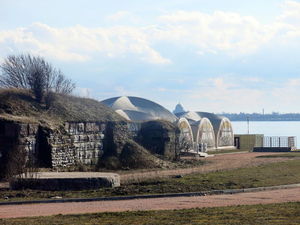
139,109
215,120
190,115
197,116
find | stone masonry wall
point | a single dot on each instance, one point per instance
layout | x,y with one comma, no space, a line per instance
80,142
75,143
17,134
14,135
116,135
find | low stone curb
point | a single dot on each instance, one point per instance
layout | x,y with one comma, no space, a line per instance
188,194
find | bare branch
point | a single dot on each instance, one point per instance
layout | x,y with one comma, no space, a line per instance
35,74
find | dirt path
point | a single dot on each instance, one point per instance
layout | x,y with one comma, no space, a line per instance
263,197
218,162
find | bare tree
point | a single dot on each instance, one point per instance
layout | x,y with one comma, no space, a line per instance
35,74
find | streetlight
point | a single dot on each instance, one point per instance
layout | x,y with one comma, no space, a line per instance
248,123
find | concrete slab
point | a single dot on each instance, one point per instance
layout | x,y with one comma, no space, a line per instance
65,180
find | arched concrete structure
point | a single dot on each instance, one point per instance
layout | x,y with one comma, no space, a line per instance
223,129
186,139
225,135
204,133
204,125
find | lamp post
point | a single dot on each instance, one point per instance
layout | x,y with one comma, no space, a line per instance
248,124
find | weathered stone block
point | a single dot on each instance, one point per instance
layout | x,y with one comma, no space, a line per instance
66,181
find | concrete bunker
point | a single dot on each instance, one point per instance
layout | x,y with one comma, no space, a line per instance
160,137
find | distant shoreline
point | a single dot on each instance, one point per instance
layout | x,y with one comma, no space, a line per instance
265,120
262,117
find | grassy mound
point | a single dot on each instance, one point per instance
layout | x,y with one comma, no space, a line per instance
20,105
135,156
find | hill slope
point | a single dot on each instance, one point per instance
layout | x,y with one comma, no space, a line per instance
20,105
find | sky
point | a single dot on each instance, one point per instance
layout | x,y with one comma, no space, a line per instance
209,55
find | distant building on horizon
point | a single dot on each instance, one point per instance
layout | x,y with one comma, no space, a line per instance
178,109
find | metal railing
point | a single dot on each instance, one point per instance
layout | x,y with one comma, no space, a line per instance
280,141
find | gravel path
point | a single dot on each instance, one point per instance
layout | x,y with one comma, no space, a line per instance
263,197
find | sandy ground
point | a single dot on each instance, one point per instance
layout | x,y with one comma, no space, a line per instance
218,162
263,197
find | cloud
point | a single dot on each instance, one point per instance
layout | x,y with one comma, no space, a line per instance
119,15
286,27
253,79
220,31
295,82
80,43
223,92
38,39
234,94
287,95
200,59
229,32
291,13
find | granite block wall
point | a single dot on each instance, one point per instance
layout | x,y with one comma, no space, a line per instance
16,137
117,134
80,142
76,142
17,134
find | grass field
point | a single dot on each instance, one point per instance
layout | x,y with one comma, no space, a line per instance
279,173
285,213
285,155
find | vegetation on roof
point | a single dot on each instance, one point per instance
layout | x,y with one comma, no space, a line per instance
135,156
21,105
162,124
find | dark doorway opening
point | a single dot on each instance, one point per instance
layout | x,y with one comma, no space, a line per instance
237,142
43,149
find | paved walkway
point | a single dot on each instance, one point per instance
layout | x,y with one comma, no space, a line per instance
263,197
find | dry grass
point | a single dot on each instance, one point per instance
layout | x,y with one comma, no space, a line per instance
265,175
20,105
284,213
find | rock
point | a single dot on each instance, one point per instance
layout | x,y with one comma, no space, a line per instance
56,197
